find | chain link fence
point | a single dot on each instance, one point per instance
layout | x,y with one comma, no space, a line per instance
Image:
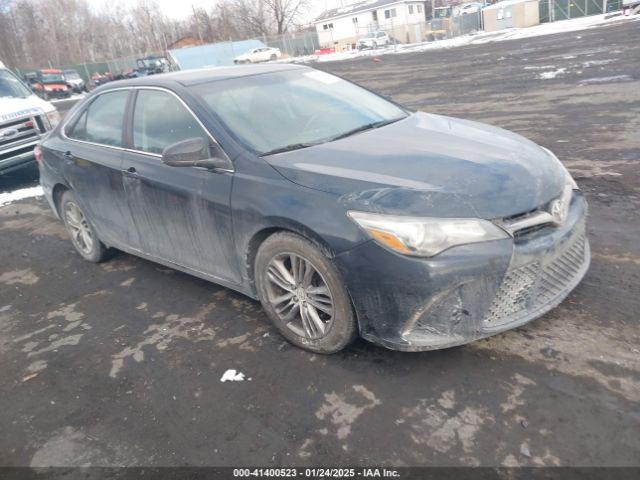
555,10
294,44
447,22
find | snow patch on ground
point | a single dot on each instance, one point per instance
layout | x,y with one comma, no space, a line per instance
552,74
614,78
10,197
563,26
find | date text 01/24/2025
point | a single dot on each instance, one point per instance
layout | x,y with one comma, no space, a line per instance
316,472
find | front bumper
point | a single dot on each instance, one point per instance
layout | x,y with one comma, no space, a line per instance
17,162
467,292
58,93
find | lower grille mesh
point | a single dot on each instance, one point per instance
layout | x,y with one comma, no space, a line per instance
527,288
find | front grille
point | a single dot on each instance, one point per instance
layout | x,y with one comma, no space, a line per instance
530,287
557,276
17,137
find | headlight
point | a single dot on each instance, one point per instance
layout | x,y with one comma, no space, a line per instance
54,118
426,237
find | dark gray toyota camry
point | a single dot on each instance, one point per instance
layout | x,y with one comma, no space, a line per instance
341,211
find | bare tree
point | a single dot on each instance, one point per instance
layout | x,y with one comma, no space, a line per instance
252,17
286,12
43,33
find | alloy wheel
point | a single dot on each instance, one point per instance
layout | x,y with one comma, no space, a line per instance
79,228
300,296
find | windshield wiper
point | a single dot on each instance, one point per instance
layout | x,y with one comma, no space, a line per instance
362,128
367,126
288,148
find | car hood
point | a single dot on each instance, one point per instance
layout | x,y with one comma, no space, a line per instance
430,165
15,107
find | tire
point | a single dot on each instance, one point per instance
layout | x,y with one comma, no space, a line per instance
273,57
338,328
81,230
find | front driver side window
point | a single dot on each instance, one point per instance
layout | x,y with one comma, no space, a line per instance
102,122
160,120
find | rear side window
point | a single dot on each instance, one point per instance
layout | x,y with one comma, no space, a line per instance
102,121
160,120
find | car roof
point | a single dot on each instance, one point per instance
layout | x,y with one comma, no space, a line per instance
204,75
51,70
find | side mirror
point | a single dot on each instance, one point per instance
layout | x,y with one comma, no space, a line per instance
195,152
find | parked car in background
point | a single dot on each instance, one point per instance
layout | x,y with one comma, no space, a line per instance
75,81
50,83
373,40
473,7
262,54
98,79
150,65
341,211
24,119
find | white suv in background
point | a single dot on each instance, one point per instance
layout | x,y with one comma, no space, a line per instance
24,119
374,40
262,54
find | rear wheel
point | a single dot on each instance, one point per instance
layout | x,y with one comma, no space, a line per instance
273,56
83,235
303,294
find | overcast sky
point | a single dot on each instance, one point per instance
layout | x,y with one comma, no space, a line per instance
181,9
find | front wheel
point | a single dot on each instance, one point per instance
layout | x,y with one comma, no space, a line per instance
303,294
83,235
273,56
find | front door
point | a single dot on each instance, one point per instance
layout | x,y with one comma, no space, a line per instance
182,214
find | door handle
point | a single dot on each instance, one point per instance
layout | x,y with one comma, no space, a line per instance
130,172
68,156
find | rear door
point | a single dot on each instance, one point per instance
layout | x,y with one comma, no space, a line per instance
182,213
92,159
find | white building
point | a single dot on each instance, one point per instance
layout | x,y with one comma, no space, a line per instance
402,19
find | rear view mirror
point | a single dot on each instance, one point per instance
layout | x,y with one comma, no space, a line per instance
194,152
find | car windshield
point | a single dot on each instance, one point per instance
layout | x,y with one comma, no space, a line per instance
149,62
52,78
442,12
294,109
11,86
371,35
71,75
